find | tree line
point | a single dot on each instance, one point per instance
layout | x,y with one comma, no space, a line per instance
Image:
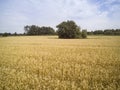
32,30
66,29
5,34
105,32
36,30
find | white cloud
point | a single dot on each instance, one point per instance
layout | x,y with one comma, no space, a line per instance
90,15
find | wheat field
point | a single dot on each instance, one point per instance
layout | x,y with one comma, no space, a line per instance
49,63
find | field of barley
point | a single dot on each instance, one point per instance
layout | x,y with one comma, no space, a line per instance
49,63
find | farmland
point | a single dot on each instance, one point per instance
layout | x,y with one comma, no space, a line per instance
49,63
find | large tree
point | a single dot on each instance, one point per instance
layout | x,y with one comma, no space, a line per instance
68,29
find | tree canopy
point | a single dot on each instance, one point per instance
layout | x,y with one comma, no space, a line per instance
68,29
84,34
36,30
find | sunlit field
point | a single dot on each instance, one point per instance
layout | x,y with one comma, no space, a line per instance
49,63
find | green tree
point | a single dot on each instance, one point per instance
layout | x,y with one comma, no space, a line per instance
5,34
15,34
84,33
36,30
68,29
98,32
26,28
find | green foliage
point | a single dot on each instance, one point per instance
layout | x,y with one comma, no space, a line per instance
15,34
68,30
5,34
105,32
100,32
84,33
36,30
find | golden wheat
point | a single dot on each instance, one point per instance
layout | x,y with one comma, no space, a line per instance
49,63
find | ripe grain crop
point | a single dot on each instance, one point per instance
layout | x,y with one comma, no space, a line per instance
49,63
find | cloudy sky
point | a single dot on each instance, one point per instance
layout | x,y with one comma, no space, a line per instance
88,14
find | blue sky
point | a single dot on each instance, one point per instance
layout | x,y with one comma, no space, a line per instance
88,14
